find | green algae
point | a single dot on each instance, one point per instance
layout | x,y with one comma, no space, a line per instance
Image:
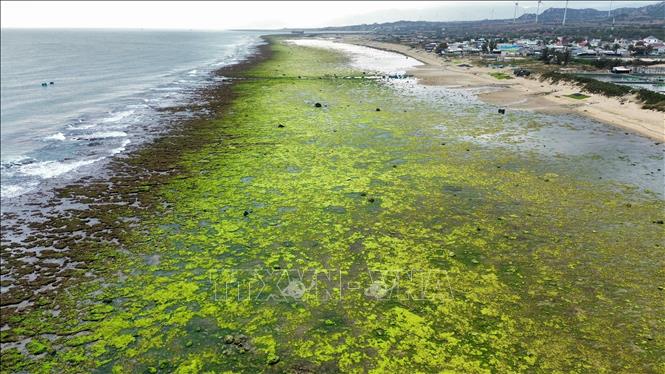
401,252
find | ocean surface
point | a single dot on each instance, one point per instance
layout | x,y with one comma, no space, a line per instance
106,93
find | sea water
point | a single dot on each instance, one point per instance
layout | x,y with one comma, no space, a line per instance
107,89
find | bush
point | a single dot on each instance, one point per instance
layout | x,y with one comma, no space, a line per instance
609,63
589,84
650,99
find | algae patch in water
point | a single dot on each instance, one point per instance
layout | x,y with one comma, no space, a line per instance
351,240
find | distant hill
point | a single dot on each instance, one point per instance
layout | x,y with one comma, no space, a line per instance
651,17
655,12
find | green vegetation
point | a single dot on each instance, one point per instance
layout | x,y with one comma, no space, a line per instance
517,264
578,96
651,100
500,75
552,56
589,84
609,63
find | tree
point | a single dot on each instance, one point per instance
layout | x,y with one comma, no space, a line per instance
616,47
565,56
485,47
640,48
440,47
492,45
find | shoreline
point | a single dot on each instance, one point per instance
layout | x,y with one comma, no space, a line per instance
528,93
300,170
34,219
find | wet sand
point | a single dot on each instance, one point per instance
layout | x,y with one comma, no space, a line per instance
528,93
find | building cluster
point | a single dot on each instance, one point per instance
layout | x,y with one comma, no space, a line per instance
586,48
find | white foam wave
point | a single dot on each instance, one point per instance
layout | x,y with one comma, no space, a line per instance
13,190
124,145
14,159
57,136
50,169
118,116
81,127
365,58
105,134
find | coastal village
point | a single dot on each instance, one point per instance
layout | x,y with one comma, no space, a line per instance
634,64
648,49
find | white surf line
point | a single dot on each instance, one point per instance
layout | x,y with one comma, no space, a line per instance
365,58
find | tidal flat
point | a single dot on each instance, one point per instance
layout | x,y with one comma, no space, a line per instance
380,230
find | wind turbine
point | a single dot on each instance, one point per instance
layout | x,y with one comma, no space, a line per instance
515,13
538,10
565,10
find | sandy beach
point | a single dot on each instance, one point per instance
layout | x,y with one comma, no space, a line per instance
528,93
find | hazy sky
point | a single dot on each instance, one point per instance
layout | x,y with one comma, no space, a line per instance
230,15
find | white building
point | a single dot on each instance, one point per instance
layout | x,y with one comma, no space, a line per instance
651,40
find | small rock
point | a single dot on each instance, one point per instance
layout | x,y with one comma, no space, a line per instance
245,213
502,111
318,105
378,109
272,360
280,126
659,222
371,199
240,339
228,339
